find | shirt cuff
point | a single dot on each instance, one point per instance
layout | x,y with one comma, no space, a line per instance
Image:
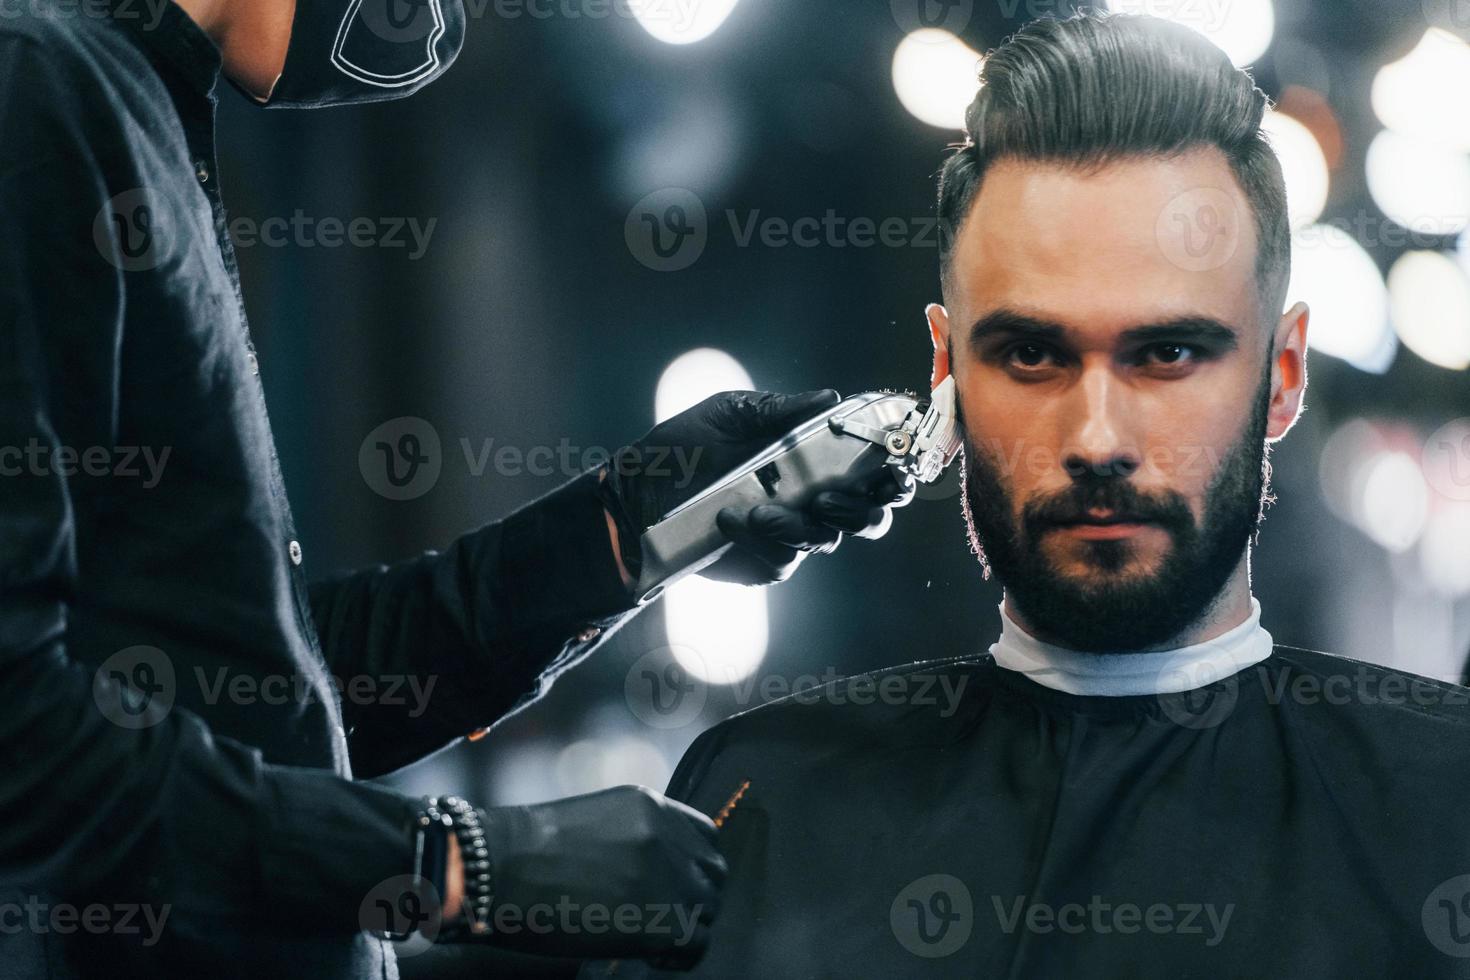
557,563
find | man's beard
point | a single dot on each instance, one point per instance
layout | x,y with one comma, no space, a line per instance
1124,613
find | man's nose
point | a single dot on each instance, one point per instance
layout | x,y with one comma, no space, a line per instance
1098,439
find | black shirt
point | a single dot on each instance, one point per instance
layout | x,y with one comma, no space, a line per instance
145,537
1302,818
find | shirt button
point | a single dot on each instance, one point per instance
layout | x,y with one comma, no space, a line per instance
253,361
201,170
294,550
588,634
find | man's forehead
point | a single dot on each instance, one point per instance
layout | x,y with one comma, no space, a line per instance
1137,240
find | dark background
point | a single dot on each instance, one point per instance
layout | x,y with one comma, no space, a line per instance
530,320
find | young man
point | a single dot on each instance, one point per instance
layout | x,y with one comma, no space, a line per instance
176,795
1135,781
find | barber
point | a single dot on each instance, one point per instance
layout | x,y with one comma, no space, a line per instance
132,609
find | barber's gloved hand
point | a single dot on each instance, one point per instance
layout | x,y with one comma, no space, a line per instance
704,443
565,868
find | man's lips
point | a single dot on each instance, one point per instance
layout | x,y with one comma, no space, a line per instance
1103,525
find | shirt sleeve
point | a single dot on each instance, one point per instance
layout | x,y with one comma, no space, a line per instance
158,810
489,623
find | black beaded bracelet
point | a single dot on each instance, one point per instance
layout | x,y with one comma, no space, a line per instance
469,828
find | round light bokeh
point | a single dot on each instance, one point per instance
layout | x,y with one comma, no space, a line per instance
936,76
1303,165
1415,95
1421,185
1429,296
1348,298
681,23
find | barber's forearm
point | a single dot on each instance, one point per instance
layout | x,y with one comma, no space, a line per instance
489,622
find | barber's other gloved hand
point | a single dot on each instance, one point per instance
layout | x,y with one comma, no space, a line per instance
565,866
706,442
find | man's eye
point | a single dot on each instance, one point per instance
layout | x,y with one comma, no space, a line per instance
1027,356
1170,355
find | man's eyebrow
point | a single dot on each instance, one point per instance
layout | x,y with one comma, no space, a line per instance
1009,324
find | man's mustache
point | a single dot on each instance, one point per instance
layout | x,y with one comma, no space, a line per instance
1121,499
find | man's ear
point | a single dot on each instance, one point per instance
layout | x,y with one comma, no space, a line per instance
938,318
1288,371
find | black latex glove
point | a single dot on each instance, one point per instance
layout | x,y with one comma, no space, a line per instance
704,443
595,853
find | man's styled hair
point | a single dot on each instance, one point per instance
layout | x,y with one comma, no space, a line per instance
1097,88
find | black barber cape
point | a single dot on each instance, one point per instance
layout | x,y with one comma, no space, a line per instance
1306,817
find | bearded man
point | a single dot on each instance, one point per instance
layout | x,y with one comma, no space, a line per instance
1135,780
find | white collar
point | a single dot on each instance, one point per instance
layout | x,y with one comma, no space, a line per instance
1120,674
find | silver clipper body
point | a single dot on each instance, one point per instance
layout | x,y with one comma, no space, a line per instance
860,435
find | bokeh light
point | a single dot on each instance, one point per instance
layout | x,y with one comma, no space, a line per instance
718,631
1421,185
1303,164
1420,95
692,377
1429,296
1348,298
936,76
1393,505
682,23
